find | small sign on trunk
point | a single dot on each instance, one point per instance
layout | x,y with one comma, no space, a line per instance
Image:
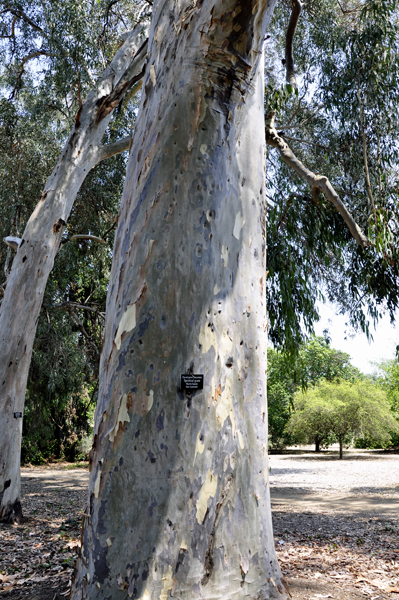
17,415
191,382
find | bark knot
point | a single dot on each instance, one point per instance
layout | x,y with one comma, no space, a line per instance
58,225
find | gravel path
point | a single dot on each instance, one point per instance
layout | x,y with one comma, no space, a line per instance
360,473
336,523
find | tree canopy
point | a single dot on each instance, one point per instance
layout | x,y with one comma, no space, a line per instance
341,123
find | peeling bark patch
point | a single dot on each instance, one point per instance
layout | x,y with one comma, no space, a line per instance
123,417
7,484
153,75
240,439
107,103
58,225
238,225
167,579
127,323
97,484
225,406
150,400
207,491
207,338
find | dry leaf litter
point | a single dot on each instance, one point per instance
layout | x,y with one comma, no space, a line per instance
336,527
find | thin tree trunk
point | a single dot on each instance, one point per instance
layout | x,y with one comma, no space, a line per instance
179,495
341,448
317,444
35,257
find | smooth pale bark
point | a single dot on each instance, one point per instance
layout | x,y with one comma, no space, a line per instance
179,495
34,259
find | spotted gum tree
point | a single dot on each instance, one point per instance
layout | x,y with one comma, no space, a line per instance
179,495
38,247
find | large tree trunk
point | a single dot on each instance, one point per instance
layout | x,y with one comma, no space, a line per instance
179,496
36,252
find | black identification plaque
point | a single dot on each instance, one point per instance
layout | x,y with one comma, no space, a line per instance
191,382
17,415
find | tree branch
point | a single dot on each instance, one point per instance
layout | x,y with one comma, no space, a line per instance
80,325
110,101
289,38
68,305
17,12
12,242
23,62
12,34
319,182
304,122
115,223
286,137
113,149
81,236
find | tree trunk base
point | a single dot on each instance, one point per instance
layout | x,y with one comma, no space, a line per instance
12,513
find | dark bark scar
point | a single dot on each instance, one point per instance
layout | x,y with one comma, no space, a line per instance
209,562
58,225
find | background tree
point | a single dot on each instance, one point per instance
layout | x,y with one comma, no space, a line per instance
286,374
26,282
387,376
342,411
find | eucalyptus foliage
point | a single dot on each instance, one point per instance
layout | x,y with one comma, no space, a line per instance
341,122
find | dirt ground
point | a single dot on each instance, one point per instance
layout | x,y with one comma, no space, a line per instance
336,526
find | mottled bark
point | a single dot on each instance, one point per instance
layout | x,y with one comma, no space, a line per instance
37,249
178,495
